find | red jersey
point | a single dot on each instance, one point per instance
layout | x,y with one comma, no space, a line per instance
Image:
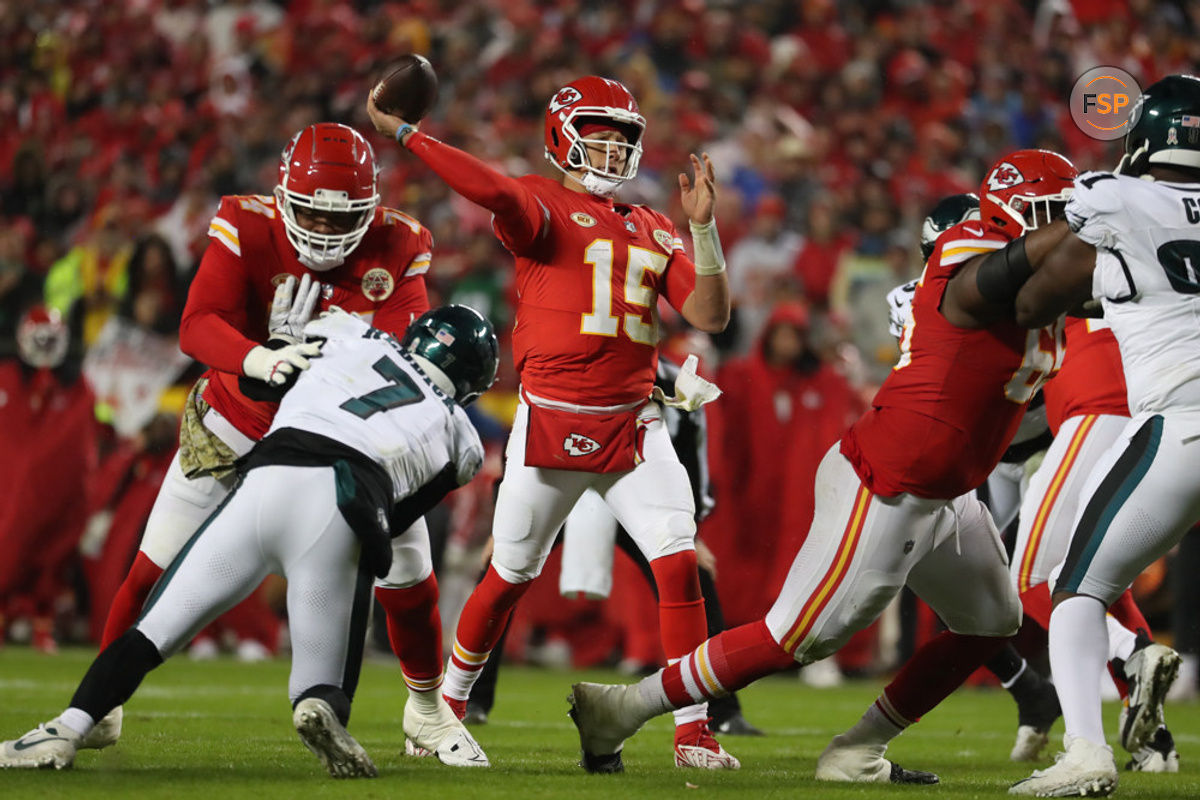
589,273
1091,380
229,301
948,411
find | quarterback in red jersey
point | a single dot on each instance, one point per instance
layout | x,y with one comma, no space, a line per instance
893,500
589,274
321,240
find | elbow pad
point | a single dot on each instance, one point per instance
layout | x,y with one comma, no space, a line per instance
1003,272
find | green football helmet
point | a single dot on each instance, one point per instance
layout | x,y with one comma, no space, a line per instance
945,215
459,342
1164,126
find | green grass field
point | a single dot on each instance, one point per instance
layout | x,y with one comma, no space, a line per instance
222,730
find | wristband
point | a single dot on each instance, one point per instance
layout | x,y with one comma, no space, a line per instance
707,244
403,129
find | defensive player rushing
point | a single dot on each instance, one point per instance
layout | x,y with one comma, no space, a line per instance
371,436
1131,242
893,504
589,275
323,226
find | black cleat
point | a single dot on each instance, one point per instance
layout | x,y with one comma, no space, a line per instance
915,776
737,725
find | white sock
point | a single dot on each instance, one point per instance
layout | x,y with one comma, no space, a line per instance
1078,653
457,682
1121,640
875,727
691,714
649,698
77,720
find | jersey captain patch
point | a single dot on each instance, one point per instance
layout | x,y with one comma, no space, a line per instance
582,220
377,284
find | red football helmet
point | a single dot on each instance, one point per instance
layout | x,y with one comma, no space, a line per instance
42,338
1026,189
327,167
582,107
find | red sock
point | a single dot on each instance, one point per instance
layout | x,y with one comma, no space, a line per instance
127,604
725,663
1126,612
1036,602
680,604
415,632
484,616
938,668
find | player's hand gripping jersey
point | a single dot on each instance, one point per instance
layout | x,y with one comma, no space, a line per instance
1147,244
946,414
230,299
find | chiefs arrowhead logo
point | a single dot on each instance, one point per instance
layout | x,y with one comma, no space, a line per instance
566,96
576,444
1004,176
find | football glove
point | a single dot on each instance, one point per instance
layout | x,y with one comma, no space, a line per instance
292,308
274,366
691,391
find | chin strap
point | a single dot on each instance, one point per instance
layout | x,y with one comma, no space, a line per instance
599,186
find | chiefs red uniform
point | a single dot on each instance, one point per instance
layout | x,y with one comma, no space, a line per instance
1091,380
230,298
589,274
942,419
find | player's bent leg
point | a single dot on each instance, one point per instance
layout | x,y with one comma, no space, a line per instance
531,505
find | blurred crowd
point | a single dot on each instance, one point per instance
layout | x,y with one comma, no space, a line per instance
834,127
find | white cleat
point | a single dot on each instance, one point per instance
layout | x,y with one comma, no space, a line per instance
599,712
1150,671
1086,769
441,734
1029,744
323,733
50,745
106,732
1158,754
864,763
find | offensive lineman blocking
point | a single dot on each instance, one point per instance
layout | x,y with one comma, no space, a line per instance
369,438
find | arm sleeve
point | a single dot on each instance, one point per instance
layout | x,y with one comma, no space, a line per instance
215,314
421,502
519,217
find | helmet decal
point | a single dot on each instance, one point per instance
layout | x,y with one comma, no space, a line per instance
568,95
1004,176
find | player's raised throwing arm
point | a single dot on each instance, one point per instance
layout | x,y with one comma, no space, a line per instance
519,217
707,308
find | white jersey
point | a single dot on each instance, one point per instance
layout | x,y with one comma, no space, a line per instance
365,392
1147,240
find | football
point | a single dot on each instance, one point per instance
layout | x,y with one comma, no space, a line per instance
409,88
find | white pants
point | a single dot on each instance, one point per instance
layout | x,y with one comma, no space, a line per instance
589,538
652,501
183,504
1141,497
282,520
862,548
1052,500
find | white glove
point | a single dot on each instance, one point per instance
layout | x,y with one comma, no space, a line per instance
292,308
691,391
274,366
